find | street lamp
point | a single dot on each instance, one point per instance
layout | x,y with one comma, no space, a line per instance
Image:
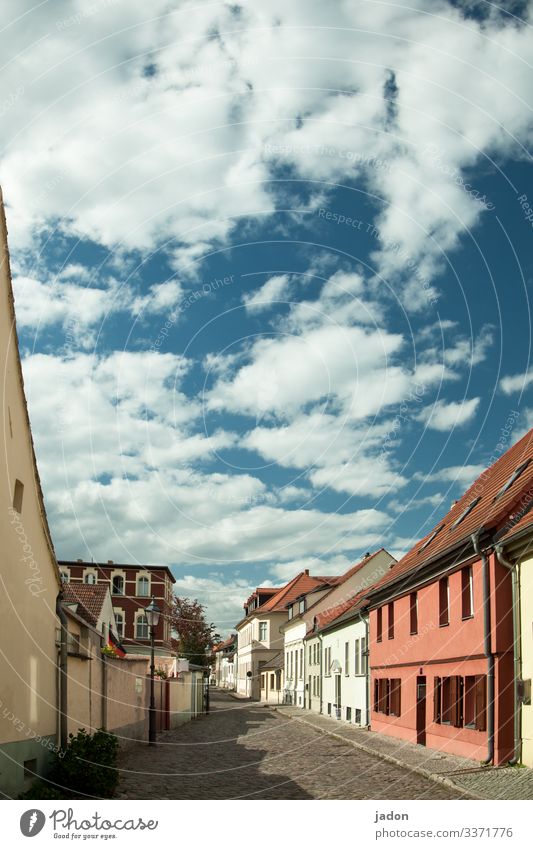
152,614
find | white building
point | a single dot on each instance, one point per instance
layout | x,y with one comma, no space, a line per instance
302,672
259,636
225,663
344,644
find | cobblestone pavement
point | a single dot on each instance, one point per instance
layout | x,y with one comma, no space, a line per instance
464,774
244,750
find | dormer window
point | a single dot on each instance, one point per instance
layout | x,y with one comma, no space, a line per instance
301,606
290,612
514,477
466,511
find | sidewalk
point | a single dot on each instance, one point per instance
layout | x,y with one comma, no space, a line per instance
460,773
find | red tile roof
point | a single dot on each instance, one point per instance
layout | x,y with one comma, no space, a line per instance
353,570
301,584
226,644
327,617
89,599
490,510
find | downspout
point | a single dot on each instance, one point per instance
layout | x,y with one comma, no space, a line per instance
487,647
63,677
517,650
365,622
320,676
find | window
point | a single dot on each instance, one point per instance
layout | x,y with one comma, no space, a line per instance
466,511
475,702
379,624
390,632
141,628
346,658
327,661
329,708
451,701
290,612
65,577
315,653
431,538
119,619
310,655
143,586
387,696
301,663
348,714
364,657
358,716
356,668
17,496
272,681
263,683
301,606
262,631
118,585
413,613
89,578
444,602
295,665
467,594
516,474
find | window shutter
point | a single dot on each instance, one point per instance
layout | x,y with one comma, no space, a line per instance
376,695
398,696
436,700
481,703
387,695
456,700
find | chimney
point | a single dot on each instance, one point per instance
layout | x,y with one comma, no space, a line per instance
306,571
109,562
79,560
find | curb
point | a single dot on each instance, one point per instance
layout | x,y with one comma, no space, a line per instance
437,779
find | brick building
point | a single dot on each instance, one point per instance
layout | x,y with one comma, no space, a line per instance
131,589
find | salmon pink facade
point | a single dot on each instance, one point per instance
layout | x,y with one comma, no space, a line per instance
434,652
443,648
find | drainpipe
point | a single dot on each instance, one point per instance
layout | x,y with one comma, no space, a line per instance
517,653
320,678
487,647
365,622
63,677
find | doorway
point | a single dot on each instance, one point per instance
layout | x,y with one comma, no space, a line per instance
421,710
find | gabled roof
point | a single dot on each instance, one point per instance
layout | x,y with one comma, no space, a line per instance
88,599
495,496
337,614
300,585
353,570
225,645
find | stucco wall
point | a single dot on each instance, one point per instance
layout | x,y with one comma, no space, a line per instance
29,579
353,687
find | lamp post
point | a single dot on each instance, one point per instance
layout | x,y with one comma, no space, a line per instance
207,657
152,614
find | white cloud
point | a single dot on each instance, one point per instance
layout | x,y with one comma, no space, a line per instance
516,382
444,416
270,293
462,475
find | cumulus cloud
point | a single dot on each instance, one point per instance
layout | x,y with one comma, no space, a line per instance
517,382
274,290
445,415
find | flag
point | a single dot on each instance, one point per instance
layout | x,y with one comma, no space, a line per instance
115,645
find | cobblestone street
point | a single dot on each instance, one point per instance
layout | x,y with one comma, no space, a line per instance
242,750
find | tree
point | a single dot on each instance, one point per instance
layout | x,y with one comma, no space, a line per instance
193,634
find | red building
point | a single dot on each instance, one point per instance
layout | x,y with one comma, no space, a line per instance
131,589
441,625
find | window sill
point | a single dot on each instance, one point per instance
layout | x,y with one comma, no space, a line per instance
464,618
443,624
413,633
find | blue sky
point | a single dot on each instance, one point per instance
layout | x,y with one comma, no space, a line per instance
271,270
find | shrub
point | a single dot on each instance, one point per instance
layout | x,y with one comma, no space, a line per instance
86,768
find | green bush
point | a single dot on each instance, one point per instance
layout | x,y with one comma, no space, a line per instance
86,768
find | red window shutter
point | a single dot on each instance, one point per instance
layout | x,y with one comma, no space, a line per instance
481,703
396,696
436,700
456,699
387,695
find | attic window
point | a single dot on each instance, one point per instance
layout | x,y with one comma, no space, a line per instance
17,496
431,538
290,612
514,477
466,511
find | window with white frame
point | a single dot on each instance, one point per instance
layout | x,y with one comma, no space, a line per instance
364,657
346,658
262,631
117,585
141,627
357,658
143,586
89,577
301,663
119,619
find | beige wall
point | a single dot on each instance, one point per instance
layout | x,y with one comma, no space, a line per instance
526,624
29,578
90,674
